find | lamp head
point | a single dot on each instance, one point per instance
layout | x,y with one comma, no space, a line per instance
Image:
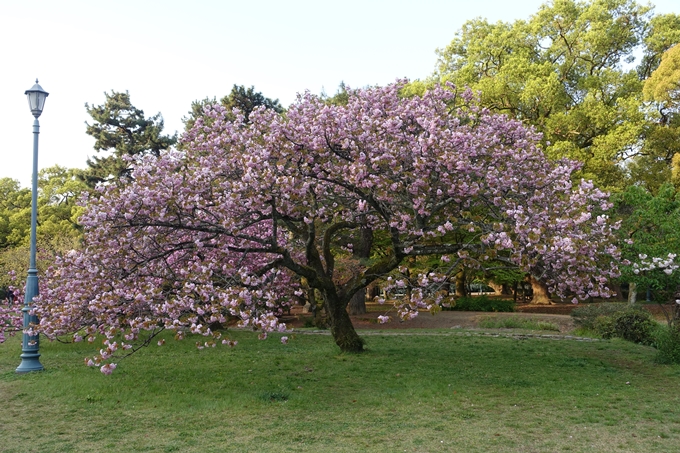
36,99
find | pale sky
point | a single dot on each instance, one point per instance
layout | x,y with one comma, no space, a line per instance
168,53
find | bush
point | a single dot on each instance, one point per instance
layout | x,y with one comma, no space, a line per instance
619,320
603,326
482,303
635,325
586,315
667,343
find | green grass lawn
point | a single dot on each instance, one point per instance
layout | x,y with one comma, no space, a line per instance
414,393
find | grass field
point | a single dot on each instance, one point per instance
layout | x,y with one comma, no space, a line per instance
409,392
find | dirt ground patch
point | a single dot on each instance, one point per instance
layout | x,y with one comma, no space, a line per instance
455,319
558,314
441,320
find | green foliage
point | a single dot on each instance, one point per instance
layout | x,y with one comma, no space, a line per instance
58,230
664,84
561,71
667,343
652,223
15,216
58,190
604,327
341,96
585,315
482,303
617,320
240,97
121,129
635,325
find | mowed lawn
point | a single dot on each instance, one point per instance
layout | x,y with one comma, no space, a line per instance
424,391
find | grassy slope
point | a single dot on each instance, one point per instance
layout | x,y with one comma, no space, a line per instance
406,393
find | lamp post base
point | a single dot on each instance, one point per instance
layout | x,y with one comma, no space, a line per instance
30,362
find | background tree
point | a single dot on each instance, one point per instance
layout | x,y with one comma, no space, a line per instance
230,224
58,191
58,229
650,227
14,203
660,154
245,99
121,129
566,70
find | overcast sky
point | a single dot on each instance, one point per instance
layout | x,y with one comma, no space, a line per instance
168,53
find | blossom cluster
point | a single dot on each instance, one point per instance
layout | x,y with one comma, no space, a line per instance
667,265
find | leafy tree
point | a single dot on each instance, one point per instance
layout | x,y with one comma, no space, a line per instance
121,129
57,229
660,159
563,71
664,83
650,227
14,202
240,97
58,190
230,224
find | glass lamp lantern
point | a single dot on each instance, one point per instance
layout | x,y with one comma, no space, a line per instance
36,99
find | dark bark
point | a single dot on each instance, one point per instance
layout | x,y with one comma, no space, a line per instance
357,304
341,326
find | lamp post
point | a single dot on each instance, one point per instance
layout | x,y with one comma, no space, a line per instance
30,344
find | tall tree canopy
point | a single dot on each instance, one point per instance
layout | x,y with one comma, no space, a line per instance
229,225
662,91
567,71
121,129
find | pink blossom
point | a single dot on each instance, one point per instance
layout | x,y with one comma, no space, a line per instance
247,217
108,368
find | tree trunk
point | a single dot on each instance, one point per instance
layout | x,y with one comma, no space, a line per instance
362,251
461,289
357,304
540,290
373,290
341,325
632,293
497,288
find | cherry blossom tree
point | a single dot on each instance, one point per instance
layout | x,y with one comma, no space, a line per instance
230,225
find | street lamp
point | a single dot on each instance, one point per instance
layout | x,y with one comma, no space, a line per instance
29,347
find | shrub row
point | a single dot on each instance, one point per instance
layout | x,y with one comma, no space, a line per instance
482,303
620,320
631,323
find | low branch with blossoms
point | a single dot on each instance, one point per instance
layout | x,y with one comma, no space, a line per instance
11,318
